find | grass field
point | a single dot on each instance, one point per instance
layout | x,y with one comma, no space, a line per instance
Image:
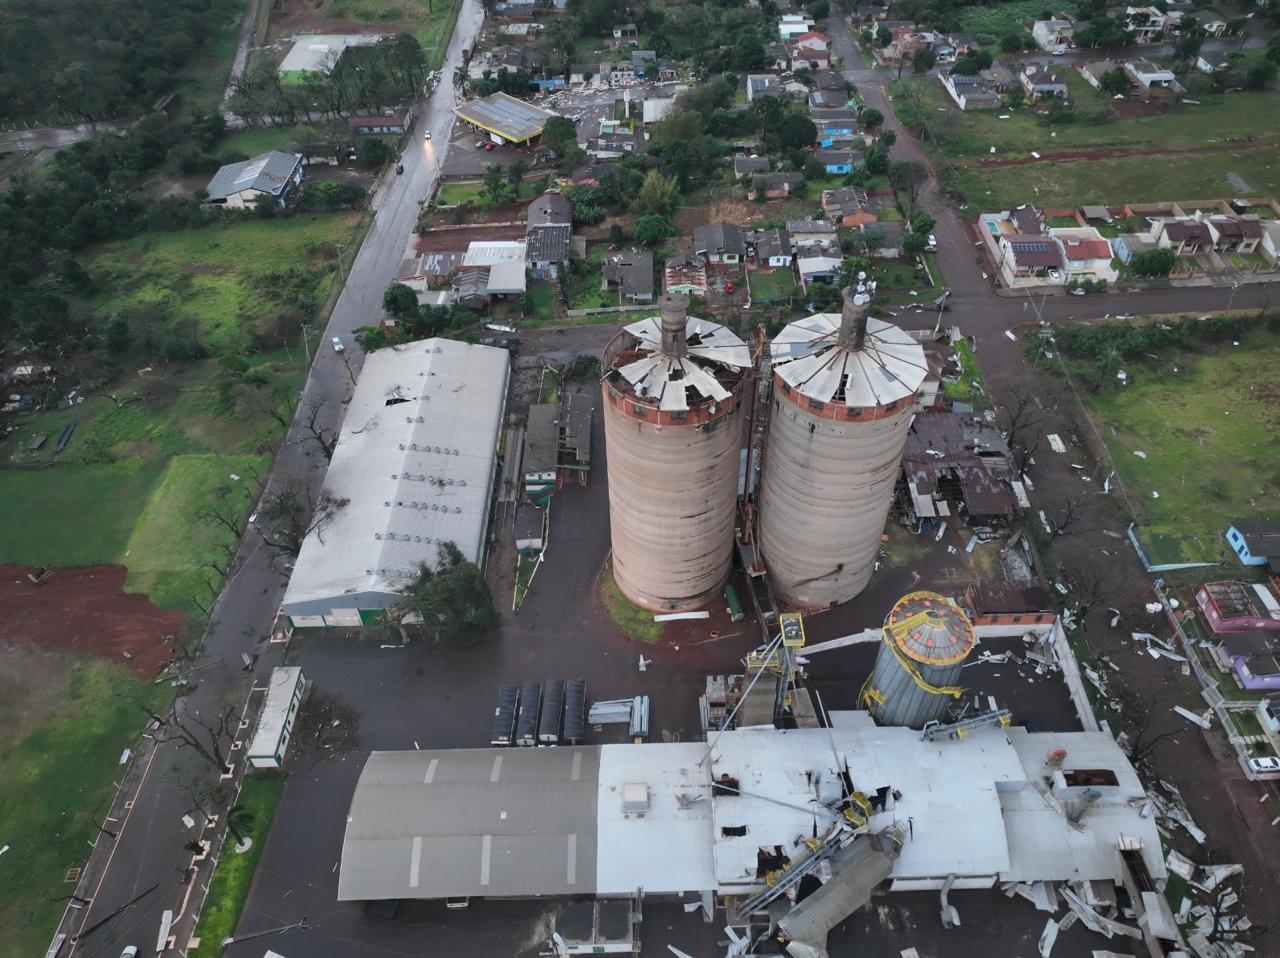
455,194
636,622
1212,441
775,286
57,787
969,387
203,79
989,24
230,885
222,279
253,141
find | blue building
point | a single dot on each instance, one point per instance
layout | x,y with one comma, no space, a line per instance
1129,245
838,161
1255,543
547,84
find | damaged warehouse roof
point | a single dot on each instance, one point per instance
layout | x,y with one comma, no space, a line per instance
608,819
950,457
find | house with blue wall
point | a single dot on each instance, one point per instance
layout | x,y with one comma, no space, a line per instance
834,124
838,161
1256,542
1129,245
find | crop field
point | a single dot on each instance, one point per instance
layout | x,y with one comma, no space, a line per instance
989,24
1209,426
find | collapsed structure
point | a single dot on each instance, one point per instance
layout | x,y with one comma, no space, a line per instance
673,428
844,390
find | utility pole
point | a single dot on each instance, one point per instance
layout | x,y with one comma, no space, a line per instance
306,347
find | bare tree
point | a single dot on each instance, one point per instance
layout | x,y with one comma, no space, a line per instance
205,791
1088,589
1023,416
1070,515
225,511
1140,714
323,436
204,737
293,516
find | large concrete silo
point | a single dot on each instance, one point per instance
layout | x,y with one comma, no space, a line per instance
844,386
926,639
673,389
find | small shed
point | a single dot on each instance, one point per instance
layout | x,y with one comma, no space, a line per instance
285,692
529,526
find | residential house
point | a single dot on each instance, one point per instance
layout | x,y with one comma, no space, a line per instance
969,92
1086,254
237,186
1095,214
630,272
823,100
624,31
619,73
1253,657
1092,73
834,124
667,71
813,40
1235,234
1211,21
1148,75
500,59
1030,258
744,165
849,206
1039,82
941,46
1147,24
1255,542
904,44
792,25
685,274
810,52
888,235
1271,240
777,56
829,81
1216,65
964,43
1239,606
762,84
471,286
720,244
657,107
776,186
770,248
580,73
999,78
548,228
390,121
812,234
817,269
838,161
998,604
1128,245
1186,237
1053,36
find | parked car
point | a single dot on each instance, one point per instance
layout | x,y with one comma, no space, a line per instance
337,345
932,244
1266,763
1054,274
399,168
130,952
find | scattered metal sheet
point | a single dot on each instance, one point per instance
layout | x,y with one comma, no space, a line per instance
1191,716
1048,937
1056,443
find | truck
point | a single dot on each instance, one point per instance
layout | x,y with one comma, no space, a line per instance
528,713
504,716
551,713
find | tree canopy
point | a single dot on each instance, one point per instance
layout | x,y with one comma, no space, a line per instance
452,600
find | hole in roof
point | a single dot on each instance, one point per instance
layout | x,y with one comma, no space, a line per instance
396,400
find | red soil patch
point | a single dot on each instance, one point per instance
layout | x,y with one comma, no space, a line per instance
85,611
298,17
443,240
1093,155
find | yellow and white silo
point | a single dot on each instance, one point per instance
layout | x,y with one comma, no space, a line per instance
673,390
926,640
844,387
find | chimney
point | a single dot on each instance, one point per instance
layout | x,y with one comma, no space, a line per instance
674,308
853,319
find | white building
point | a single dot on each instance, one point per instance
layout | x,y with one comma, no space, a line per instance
1086,254
793,25
416,460
318,53
1053,36
286,689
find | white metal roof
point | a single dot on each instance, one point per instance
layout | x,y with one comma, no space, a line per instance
709,344
889,367
417,473
487,253
275,710
319,52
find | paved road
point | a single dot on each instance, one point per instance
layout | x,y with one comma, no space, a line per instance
149,849
56,137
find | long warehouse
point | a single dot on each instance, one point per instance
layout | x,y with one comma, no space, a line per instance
415,463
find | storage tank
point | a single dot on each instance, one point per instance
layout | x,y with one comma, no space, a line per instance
673,389
926,639
844,387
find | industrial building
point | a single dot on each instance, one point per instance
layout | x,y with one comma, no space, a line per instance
844,390
752,812
414,465
673,392
286,689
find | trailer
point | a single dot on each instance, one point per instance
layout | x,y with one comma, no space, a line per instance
527,716
575,711
504,716
551,713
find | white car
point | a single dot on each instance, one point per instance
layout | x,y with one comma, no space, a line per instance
933,243
1054,274
1267,763
130,952
427,136
337,345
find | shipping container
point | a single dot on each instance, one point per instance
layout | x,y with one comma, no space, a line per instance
504,715
551,713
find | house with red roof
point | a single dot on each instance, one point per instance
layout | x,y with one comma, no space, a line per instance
1086,254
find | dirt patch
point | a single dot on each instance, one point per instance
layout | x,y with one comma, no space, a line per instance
86,612
1074,156
442,240
298,17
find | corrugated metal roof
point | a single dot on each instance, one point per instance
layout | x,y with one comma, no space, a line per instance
512,119
668,380
417,472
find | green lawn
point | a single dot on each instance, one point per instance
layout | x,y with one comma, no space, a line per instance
989,23
251,142
963,390
222,280
1211,439
173,541
203,79
891,274
775,286
636,622
233,874
85,516
542,302
57,788
454,194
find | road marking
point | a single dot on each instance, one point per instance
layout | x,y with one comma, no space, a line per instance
497,768
431,771
572,875
577,767
415,861
486,849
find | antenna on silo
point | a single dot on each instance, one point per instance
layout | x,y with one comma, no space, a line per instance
853,316
675,310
